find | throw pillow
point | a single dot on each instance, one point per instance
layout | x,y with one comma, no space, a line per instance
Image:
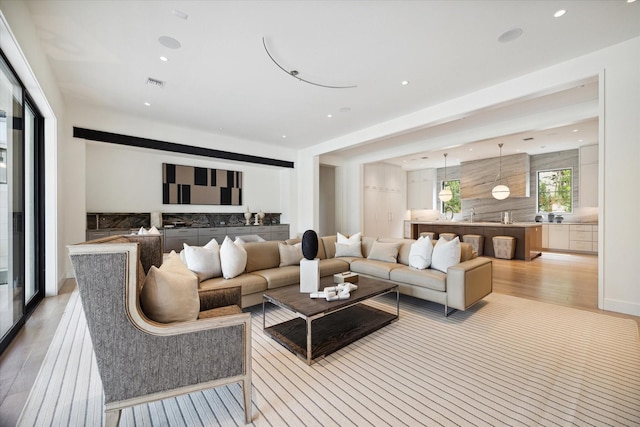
170,293
204,261
387,252
354,238
290,254
349,249
445,254
420,253
233,258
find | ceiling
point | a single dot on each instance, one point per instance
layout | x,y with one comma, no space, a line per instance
222,80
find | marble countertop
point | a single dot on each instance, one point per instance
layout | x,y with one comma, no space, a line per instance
480,224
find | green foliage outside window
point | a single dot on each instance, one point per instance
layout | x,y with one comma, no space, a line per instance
455,204
554,191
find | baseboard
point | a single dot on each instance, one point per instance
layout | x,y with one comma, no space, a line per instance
624,307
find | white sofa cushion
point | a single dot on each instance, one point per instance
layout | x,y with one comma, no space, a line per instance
204,261
349,249
445,254
421,252
233,259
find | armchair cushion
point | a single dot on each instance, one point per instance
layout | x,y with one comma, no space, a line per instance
170,293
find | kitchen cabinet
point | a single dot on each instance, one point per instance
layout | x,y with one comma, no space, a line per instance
559,236
545,235
571,237
206,234
280,232
589,175
174,238
383,200
420,189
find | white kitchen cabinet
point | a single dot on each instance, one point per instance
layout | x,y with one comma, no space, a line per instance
559,236
384,200
545,236
420,189
589,175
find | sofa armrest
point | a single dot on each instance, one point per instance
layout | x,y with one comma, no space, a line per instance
215,298
468,282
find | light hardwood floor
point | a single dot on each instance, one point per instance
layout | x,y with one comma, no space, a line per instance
564,279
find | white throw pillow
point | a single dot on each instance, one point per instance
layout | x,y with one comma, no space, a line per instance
142,231
445,254
420,253
354,238
170,293
153,230
290,254
387,252
204,261
349,249
212,244
233,258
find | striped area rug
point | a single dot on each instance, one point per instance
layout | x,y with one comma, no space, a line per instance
507,361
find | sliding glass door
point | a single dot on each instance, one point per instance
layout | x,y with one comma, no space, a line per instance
21,278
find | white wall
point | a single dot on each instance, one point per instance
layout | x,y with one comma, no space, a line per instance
126,179
619,70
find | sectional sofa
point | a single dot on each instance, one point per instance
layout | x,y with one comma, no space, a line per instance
463,284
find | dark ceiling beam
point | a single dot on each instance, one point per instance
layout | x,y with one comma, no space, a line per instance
154,144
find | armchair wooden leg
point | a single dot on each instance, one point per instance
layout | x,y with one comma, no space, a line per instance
112,418
248,408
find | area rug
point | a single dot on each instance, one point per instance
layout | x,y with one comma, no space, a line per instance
507,361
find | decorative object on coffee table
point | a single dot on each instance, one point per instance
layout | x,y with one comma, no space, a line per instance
309,265
346,276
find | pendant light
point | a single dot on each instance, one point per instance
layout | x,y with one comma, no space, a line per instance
445,194
500,191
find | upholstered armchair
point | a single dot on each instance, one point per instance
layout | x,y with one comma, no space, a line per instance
141,360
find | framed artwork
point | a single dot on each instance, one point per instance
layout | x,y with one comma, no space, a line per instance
189,185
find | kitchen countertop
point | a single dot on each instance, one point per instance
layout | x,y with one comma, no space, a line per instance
498,224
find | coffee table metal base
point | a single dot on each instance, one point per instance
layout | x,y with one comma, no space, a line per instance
317,336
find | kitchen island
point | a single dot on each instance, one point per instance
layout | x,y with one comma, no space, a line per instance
528,235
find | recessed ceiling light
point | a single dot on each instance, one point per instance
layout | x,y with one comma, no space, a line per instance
164,59
510,35
169,42
147,104
284,136
329,115
575,130
559,13
405,82
180,14
581,140
631,1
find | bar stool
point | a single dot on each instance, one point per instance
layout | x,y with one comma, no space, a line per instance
448,236
430,234
504,247
476,241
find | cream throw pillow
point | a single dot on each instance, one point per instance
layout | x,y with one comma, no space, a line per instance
290,254
387,252
170,293
445,254
233,258
420,253
349,249
204,261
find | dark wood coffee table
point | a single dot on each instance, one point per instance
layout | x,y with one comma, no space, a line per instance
322,327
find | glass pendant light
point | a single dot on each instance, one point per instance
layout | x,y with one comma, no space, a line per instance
500,191
445,194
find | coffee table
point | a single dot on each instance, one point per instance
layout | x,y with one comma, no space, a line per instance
322,327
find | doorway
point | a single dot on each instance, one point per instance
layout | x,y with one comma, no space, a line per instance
327,208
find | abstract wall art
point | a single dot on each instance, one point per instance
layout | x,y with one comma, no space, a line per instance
189,185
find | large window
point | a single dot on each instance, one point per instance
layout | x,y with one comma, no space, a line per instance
555,191
455,204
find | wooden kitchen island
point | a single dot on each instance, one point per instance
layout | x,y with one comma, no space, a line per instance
528,234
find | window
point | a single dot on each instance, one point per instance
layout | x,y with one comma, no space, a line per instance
554,191
455,203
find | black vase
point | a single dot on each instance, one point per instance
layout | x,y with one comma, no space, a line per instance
310,244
